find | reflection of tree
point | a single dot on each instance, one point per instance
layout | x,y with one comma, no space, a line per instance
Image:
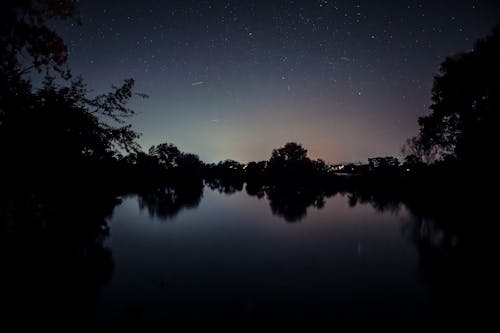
456,255
378,200
166,202
53,259
255,190
226,176
225,186
290,203
450,233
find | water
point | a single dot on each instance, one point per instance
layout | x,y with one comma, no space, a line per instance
230,262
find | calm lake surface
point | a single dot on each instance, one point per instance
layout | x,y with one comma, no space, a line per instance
230,262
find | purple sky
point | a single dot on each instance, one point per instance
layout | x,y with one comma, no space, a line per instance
235,79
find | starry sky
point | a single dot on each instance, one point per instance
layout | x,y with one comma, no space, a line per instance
235,79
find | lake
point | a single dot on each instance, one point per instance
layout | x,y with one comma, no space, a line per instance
238,262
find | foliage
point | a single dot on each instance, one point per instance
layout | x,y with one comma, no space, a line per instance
465,105
55,128
289,163
383,163
24,31
58,127
166,154
288,154
414,148
169,158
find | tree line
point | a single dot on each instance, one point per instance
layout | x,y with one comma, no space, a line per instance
56,132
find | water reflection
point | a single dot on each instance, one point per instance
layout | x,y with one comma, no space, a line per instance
440,247
362,261
226,186
166,202
450,233
381,203
291,204
53,259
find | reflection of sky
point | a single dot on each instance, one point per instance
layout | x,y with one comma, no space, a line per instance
235,79
231,255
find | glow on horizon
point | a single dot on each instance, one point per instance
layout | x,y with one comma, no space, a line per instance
251,136
237,79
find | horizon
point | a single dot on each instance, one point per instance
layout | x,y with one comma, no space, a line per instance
359,212
236,80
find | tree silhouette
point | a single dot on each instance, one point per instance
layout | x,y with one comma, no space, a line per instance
227,170
174,164
255,171
462,124
414,149
289,164
24,30
290,153
61,129
54,130
383,164
226,176
167,155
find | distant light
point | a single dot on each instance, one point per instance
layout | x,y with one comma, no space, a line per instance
407,170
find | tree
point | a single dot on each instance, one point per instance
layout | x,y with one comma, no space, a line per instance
62,129
229,170
27,43
290,165
175,164
189,161
255,171
190,166
167,155
415,150
383,164
464,114
290,153
321,168
54,128
24,31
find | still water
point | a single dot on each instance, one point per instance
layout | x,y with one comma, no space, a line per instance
234,262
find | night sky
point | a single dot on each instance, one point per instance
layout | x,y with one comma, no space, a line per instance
235,79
